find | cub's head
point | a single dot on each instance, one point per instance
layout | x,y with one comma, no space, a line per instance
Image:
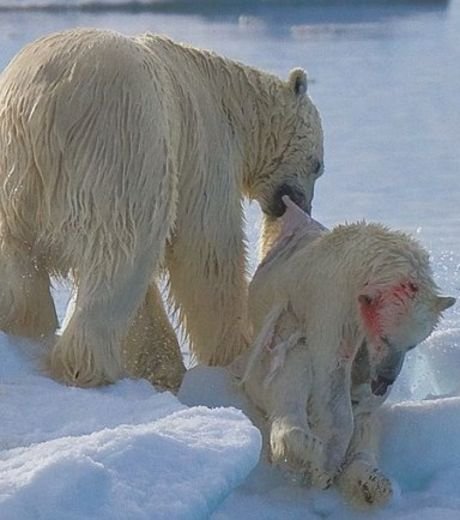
395,318
292,150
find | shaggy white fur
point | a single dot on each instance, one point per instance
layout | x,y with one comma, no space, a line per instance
123,156
334,314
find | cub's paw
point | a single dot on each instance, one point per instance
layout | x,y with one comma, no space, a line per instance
300,450
364,485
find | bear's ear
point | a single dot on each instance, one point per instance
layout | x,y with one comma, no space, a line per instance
298,82
444,302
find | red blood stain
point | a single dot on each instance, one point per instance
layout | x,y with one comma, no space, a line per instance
374,309
371,316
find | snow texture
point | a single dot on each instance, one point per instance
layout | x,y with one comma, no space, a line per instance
119,452
420,451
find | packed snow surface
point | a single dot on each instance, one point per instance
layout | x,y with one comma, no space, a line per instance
124,451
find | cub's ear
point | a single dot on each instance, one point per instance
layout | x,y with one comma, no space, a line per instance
369,295
444,302
298,82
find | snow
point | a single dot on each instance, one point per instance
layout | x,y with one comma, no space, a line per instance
420,451
127,451
124,451
382,75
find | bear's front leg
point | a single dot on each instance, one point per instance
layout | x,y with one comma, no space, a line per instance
291,439
332,355
206,260
361,482
331,412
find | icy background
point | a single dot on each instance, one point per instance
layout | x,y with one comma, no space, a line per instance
386,79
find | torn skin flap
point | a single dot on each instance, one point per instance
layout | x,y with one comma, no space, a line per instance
295,225
295,219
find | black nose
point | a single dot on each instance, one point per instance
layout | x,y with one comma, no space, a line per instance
387,372
277,207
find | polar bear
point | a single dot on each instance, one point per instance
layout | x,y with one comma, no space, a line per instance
127,157
334,314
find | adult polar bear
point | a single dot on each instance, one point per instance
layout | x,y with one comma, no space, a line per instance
121,156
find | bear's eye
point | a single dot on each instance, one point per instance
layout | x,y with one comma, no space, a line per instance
317,167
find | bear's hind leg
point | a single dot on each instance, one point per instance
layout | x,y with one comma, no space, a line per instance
88,353
151,348
26,305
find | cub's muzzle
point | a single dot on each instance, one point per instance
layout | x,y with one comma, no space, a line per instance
387,372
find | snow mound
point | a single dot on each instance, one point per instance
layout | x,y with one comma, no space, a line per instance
124,451
420,452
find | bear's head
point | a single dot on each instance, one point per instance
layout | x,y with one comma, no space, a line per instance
396,318
292,149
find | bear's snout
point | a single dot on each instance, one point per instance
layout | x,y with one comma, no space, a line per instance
277,206
387,372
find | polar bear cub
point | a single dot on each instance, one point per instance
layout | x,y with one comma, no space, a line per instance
334,314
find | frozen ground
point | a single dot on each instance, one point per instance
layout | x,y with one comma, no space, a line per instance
384,76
